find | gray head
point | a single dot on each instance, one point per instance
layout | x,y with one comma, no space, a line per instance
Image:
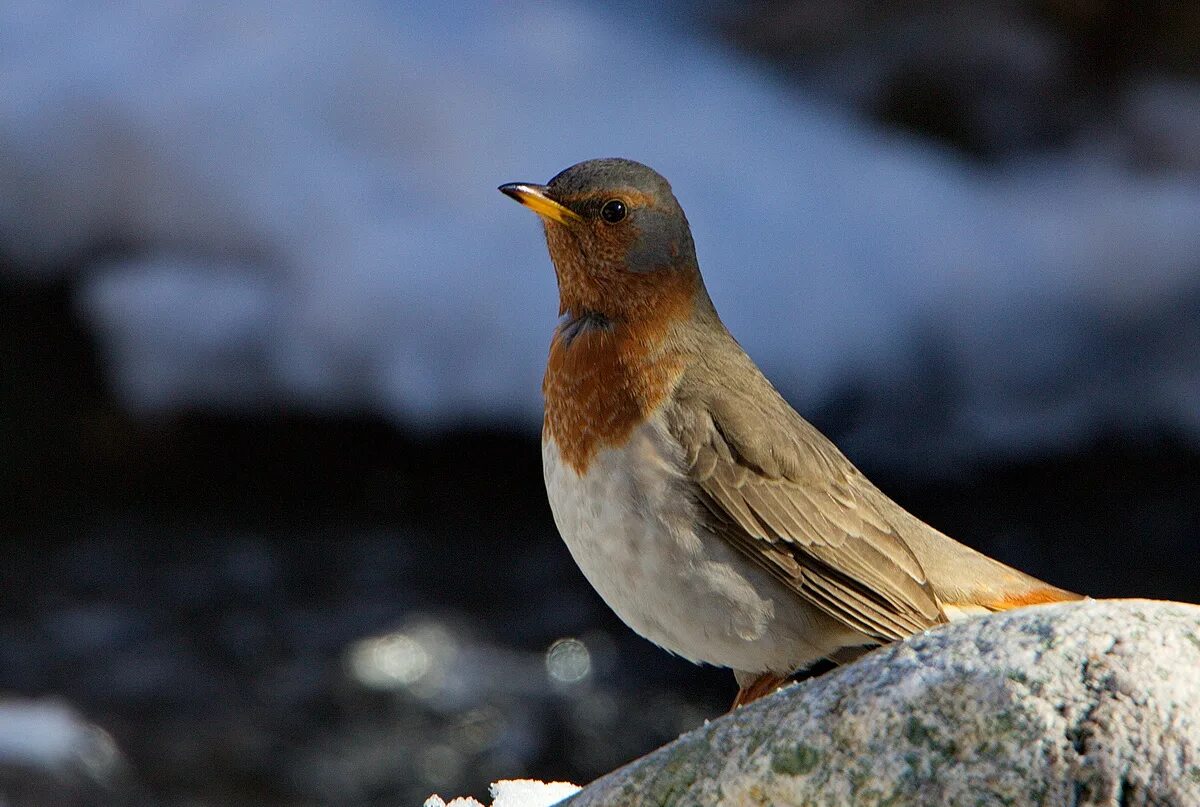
611,203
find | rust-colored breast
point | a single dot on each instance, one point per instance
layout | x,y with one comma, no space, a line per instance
598,390
604,383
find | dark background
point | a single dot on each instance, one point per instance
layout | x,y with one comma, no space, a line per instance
282,603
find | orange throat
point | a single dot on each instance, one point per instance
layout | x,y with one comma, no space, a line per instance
604,382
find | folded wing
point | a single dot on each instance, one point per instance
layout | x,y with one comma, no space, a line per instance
781,493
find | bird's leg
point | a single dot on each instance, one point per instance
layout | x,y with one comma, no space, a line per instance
760,687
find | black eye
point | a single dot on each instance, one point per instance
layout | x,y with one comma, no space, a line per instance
613,211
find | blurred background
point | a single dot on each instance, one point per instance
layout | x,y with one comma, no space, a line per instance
273,524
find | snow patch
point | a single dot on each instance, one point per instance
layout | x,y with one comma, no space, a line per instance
515,793
50,736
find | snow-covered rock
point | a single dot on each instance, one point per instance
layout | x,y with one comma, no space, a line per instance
1090,703
296,203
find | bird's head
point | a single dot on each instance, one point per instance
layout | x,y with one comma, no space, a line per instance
619,240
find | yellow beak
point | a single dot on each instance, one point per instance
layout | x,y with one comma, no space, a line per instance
535,198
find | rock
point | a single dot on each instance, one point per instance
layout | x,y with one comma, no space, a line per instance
1088,703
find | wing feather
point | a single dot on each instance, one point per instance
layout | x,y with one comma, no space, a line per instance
782,494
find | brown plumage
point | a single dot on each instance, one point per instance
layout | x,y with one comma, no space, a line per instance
606,380
785,495
711,516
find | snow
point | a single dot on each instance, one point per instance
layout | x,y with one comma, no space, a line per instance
296,205
47,734
515,793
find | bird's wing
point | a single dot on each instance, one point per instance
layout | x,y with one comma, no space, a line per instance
780,492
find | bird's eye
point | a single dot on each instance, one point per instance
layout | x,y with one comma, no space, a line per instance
613,211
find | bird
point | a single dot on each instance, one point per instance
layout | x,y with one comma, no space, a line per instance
706,512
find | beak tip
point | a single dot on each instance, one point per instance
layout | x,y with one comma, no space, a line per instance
536,199
510,189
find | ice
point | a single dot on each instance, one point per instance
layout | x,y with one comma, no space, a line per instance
296,205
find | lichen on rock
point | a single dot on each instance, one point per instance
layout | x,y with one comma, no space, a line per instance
1087,703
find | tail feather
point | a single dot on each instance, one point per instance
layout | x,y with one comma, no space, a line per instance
1008,601
1037,596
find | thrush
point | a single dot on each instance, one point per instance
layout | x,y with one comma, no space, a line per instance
710,516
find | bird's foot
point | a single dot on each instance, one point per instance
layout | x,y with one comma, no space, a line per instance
760,687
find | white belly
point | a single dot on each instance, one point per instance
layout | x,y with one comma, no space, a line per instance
631,525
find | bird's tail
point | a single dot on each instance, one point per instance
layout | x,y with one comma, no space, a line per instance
967,582
1005,601
1037,596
